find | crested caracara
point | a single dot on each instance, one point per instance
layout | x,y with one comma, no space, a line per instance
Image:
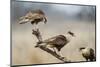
87,53
34,17
58,41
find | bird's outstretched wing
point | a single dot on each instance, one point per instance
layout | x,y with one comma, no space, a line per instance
34,17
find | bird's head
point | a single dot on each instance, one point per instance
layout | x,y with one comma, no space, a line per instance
71,33
81,48
26,18
33,16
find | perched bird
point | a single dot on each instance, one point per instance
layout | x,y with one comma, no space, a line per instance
88,53
58,42
34,17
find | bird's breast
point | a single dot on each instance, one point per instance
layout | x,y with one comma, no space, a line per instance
85,52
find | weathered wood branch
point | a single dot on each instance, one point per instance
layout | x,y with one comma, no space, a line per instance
42,47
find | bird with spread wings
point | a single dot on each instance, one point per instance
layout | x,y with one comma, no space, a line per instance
33,17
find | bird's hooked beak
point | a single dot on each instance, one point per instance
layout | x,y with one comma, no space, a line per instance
23,20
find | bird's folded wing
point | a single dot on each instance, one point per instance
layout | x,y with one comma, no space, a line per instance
50,39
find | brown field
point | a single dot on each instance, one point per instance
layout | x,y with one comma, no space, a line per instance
23,42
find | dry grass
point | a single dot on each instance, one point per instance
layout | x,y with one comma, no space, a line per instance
23,42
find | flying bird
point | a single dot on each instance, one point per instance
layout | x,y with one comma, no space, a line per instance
87,53
58,42
33,17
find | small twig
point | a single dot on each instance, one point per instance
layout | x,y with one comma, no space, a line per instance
37,34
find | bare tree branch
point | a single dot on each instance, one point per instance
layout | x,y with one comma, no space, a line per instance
42,47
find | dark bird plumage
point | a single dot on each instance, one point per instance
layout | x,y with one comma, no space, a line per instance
34,17
88,53
57,42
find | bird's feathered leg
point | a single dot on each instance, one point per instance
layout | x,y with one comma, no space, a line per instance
60,53
54,50
46,45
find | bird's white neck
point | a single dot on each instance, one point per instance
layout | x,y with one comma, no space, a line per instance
69,37
35,27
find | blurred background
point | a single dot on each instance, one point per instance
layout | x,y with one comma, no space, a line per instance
80,19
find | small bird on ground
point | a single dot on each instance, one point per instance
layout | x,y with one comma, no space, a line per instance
87,53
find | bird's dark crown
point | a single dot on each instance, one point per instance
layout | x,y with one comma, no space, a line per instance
71,33
38,11
81,48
